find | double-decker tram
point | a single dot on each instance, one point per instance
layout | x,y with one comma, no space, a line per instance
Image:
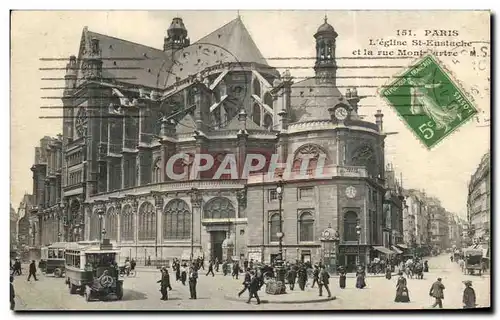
91,270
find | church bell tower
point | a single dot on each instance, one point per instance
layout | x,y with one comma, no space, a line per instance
325,66
176,36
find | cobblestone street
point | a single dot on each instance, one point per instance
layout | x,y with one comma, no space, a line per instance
141,293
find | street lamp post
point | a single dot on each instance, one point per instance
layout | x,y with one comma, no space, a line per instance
280,270
358,234
100,213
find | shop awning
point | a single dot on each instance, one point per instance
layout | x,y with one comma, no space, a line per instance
383,250
397,250
402,246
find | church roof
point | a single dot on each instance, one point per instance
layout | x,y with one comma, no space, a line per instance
131,62
137,64
235,38
310,100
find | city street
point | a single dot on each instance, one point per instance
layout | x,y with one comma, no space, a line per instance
142,293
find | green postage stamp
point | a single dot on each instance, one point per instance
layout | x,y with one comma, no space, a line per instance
429,101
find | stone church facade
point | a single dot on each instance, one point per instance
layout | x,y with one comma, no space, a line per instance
130,108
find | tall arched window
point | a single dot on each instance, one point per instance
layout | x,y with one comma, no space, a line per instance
350,222
94,226
157,171
127,224
111,224
256,87
176,220
268,99
306,227
274,227
268,122
147,221
256,113
219,208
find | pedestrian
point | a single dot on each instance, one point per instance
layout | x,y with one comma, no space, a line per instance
291,277
324,281
426,266
210,268
217,264
388,273
184,274
250,264
132,264
254,288
12,294
469,297
193,279
149,261
315,275
360,277
164,283
177,265
236,270
437,291
246,282
302,277
245,265
402,294
32,270
224,268
451,258
202,263
17,267
342,277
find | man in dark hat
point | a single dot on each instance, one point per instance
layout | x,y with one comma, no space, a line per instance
246,282
254,287
164,283
32,270
193,279
324,281
437,291
315,275
211,268
469,298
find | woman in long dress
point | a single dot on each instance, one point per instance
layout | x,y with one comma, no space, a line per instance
342,277
360,278
402,294
388,273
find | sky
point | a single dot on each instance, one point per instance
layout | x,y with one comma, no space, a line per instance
443,171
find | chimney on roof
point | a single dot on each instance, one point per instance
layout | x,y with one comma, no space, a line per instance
177,36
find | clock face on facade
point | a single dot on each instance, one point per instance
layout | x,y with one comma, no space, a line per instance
341,113
81,122
350,192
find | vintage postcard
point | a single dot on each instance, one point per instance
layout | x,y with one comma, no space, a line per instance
250,160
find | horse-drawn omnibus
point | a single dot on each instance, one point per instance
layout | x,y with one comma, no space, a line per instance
52,259
91,270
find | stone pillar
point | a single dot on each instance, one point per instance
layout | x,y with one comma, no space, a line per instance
159,210
196,204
